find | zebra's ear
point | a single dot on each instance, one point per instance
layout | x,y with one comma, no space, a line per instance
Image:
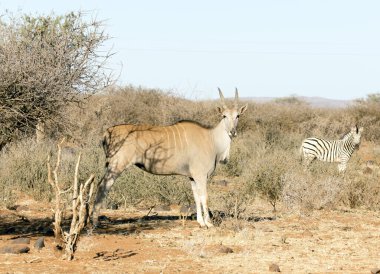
243,109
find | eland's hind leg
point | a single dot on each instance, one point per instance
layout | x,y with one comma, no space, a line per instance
113,170
103,188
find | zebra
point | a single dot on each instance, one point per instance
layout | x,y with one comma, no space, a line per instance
331,151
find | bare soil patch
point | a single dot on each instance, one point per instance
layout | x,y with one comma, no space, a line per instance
340,241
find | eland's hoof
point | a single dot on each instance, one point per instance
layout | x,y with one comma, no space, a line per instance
209,225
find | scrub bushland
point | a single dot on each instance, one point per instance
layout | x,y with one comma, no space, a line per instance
264,163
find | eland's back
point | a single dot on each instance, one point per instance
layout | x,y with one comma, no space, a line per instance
166,150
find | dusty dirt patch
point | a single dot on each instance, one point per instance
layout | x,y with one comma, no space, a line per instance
323,242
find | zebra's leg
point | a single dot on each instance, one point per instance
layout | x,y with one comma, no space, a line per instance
342,166
308,159
197,200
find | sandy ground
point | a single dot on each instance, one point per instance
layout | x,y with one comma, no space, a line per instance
340,241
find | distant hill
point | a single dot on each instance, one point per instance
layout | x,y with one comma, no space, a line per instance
317,102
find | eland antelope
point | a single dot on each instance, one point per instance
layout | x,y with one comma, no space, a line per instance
185,148
331,151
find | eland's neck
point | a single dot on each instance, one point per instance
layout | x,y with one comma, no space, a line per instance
221,140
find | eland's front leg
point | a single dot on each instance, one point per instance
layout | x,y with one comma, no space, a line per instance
202,186
200,197
197,200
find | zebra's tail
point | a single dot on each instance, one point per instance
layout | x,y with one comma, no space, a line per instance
300,153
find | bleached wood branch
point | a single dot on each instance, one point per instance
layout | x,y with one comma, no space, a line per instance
82,194
56,187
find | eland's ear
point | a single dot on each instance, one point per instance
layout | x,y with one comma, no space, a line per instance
220,110
243,109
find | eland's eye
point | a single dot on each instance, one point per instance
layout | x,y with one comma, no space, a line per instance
224,116
238,116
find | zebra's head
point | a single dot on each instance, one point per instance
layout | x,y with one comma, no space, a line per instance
356,134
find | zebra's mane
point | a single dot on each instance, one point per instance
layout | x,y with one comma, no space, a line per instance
346,135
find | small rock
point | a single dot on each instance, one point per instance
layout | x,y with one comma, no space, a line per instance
307,233
367,170
274,268
22,208
375,271
14,249
20,241
40,243
225,249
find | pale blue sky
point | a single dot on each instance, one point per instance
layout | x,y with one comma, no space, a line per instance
327,48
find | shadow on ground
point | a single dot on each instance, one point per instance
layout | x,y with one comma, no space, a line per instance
19,225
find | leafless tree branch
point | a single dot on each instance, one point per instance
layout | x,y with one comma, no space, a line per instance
46,63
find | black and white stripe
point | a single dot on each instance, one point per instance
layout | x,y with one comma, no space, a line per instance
331,151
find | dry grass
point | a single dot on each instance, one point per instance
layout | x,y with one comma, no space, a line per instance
264,160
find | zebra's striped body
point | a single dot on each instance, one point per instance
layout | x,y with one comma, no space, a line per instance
331,151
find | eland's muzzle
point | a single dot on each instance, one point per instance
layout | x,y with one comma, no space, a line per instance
232,133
